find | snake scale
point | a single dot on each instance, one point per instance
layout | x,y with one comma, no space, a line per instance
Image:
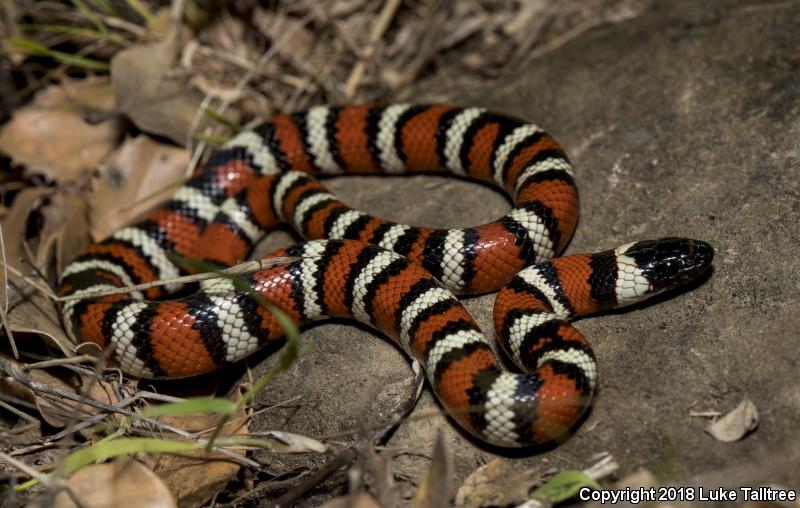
399,279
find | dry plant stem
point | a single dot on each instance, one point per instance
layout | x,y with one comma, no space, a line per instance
31,472
357,72
225,103
191,133
349,454
255,265
4,309
288,54
176,14
347,38
705,414
19,452
16,372
606,466
47,390
61,361
22,414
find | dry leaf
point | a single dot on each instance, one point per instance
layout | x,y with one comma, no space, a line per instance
736,424
91,95
195,477
73,235
51,135
54,409
140,169
498,483
15,224
34,312
61,223
151,94
359,500
122,482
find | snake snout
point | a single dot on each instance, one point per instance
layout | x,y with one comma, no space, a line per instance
693,259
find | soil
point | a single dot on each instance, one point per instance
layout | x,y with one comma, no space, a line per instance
680,122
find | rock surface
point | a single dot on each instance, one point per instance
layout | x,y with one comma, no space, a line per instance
682,122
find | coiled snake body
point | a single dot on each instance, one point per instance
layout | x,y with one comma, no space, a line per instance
398,278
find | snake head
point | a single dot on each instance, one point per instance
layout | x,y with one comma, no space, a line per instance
652,266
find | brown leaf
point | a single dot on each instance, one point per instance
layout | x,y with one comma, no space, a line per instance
122,482
61,224
138,170
498,483
52,137
736,424
194,477
151,93
15,224
36,313
92,95
73,234
53,408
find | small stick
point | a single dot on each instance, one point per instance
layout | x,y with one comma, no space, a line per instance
357,72
4,310
31,472
255,265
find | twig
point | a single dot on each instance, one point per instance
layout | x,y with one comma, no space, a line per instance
31,472
378,29
22,414
4,309
322,14
176,13
61,361
254,265
16,372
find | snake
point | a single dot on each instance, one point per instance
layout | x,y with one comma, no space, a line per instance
402,280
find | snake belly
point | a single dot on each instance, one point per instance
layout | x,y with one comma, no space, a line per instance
400,279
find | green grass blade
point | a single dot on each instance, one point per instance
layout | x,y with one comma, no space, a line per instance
142,10
563,486
211,138
91,16
194,405
124,446
105,6
86,33
77,61
217,117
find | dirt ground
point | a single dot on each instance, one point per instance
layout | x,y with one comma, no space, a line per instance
680,122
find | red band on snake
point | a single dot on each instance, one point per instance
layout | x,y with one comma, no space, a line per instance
398,278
